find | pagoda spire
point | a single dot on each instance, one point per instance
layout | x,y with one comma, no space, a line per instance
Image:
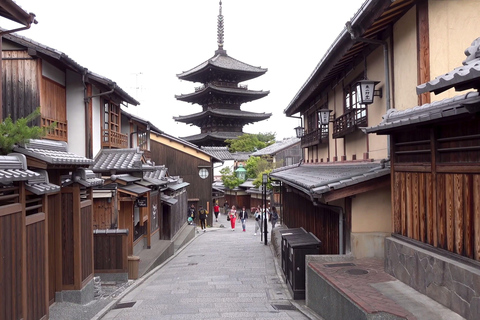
220,49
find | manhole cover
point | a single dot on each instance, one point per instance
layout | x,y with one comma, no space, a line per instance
124,305
356,272
336,265
284,307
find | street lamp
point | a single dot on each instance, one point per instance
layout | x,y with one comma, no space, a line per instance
241,172
367,91
264,212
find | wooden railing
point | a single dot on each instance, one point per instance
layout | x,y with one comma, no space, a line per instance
58,129
317,136
349,122
113,139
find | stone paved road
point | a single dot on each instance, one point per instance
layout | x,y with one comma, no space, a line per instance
221,274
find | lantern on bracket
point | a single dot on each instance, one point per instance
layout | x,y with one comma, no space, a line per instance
324,116
367,91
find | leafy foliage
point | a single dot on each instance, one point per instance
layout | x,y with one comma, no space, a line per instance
250,142
229,178
12,133
258,181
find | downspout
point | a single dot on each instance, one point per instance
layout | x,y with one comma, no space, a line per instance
88,151
301,125
383,43
341,215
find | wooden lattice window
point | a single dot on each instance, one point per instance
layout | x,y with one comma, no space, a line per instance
111,117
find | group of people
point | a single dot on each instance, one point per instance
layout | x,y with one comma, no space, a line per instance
232,215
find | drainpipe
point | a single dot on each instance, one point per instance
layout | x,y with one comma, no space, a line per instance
383,43
338,210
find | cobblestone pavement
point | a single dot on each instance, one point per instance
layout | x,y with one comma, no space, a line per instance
220,274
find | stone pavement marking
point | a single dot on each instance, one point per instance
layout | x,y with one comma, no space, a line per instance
220,274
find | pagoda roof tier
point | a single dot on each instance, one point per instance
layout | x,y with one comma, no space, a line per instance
219,64
238,115
212,138
206,93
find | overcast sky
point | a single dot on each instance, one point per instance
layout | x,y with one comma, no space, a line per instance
142,45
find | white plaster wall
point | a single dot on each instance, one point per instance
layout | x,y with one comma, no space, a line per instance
53,73
453,25
372,211
96,123
75,113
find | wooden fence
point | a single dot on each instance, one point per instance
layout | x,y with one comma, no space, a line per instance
110,251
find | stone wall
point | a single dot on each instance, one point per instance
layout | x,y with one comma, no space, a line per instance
450,282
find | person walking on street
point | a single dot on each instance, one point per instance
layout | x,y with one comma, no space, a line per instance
274,217
233,217
191,214
225,207
203,214
243,215
216,210
258,220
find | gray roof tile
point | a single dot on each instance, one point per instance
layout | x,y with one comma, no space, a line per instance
13,167
221,153
40,184
318,179
277,147
52,152
120,160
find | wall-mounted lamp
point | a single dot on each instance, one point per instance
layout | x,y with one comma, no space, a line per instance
299,131
367,91
324,116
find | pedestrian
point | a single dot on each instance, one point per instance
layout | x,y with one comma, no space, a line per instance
203,214
243,215
274,217
216,210
191,214
225,207
233,217
258,220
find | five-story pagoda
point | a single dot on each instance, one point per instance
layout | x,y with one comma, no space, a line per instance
221,96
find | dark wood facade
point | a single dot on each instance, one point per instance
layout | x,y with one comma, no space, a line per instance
436,185
186,161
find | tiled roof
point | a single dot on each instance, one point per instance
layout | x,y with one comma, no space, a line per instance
134,189
157,176
248,95
226,62
168,200
87,178
13,167
255,116
241,156
277,147
40,184
465,77
141,120
318,179
462,104
52,152
220,136
120,160
221,153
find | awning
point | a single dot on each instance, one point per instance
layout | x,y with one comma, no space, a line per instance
133,189
178,186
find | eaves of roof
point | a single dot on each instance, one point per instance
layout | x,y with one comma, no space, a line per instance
220,153
120,160
10,10
315,180
277,147
133,189
370,21
38,49
13,167
435,111
225,113
248,95
217,136
147,123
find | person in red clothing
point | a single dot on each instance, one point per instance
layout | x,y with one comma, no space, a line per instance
233,216
216,210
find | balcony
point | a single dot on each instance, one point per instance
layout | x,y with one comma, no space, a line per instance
317,136
349,122
57,129
114,140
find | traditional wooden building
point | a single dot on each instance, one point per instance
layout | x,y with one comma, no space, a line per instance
342,191
281,153
435,150
220,95
70,218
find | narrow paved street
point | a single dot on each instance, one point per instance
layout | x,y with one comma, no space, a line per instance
220,274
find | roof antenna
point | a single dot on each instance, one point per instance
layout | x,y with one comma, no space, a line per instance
220,31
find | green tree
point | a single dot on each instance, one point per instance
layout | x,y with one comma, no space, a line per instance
229,178
250,142
258,181
256,165
12,133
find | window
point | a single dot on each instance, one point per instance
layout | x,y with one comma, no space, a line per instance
203,173
352,92
111,118
142,139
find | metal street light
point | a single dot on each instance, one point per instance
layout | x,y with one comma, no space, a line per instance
264,212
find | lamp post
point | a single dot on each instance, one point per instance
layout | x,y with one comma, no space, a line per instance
264,212
241,172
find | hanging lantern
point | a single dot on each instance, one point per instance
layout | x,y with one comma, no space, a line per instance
367,91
